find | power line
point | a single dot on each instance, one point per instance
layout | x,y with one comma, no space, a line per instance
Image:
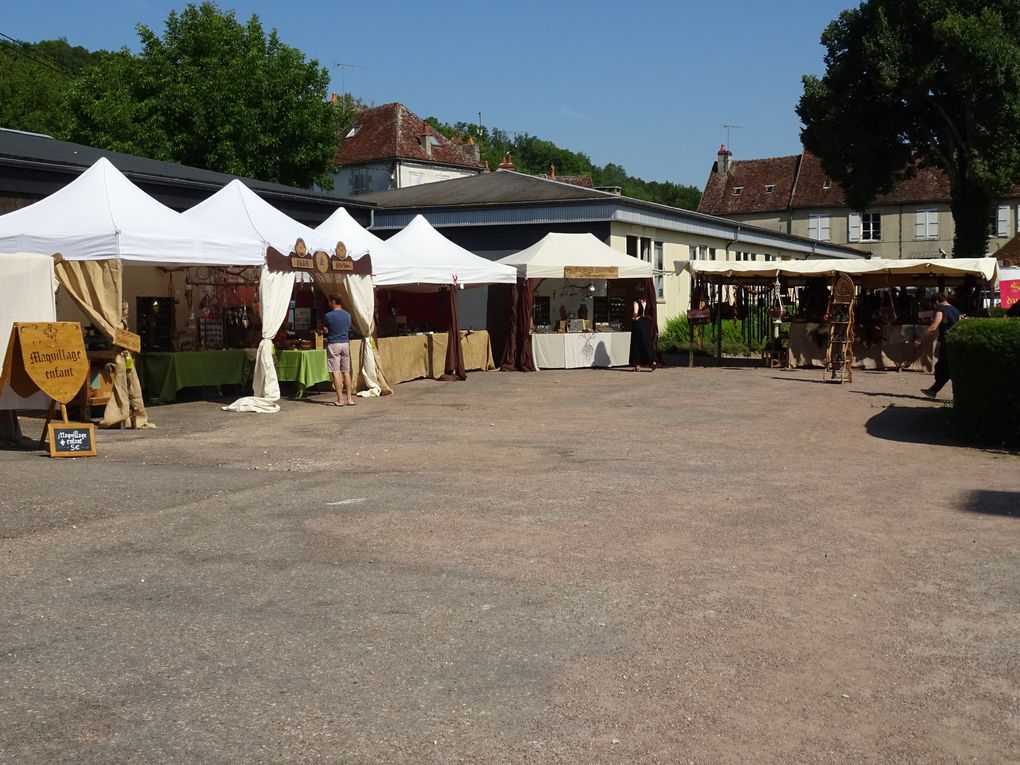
22,48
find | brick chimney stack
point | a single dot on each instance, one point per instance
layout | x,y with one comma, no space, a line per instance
425,140
724,161
507,163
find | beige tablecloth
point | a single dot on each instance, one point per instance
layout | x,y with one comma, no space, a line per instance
403,358
477,352
808,342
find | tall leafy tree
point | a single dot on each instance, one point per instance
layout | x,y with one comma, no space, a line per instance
921,83
214,93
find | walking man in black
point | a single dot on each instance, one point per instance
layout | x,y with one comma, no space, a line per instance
945,318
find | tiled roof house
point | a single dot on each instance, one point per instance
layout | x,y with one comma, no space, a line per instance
794,195
390,147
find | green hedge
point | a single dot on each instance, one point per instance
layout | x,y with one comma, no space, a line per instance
984,362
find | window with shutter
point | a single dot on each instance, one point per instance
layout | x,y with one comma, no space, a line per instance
926,224
1002,221
818,226
854,227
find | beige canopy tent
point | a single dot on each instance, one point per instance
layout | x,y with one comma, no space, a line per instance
873,272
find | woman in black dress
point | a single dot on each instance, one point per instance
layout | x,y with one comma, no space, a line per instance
641,351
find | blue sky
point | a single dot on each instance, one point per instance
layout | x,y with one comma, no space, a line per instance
645,84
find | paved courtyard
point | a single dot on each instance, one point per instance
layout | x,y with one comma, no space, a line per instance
711,565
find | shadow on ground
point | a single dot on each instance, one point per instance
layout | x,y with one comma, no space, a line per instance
912,425
993,503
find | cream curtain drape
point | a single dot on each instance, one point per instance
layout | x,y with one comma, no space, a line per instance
275,290
357,295
96,286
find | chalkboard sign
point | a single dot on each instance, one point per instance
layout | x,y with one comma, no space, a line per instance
72,439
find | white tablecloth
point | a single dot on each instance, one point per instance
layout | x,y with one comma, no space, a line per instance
572,350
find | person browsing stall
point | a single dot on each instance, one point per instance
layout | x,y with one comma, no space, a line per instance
945,318
337,329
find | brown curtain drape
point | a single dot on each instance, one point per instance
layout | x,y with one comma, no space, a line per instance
454,367
97,287
519,356
653,311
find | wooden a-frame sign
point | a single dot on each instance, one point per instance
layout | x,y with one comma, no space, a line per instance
50,357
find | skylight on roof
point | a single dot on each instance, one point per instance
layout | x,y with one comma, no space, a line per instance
433,140
738,190
769,188
827,183
353,131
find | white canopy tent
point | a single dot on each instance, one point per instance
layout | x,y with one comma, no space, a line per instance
102,215
548,257
391,266
95,224
27,285
240,210
455,265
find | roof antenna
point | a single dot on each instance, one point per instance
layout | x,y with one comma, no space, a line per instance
343,72
727,128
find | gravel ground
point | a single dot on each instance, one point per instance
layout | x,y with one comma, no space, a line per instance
710,565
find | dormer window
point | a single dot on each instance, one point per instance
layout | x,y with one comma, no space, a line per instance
827,183
738,190
353,131
769,188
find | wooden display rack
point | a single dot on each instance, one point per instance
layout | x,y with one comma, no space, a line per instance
839,354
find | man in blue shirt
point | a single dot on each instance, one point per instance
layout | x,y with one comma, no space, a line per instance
337,329
946,316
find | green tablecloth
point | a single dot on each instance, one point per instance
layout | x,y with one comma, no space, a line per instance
306,368
164,373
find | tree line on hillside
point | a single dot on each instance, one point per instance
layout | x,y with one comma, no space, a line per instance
209,92
534,155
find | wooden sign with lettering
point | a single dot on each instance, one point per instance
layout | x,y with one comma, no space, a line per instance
127,340
72,439
591,272
46,356
339,262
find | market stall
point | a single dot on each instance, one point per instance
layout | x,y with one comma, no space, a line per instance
417,293
110,240
293,249
892,302
572,304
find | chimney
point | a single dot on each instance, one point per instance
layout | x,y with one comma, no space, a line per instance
552,171
335,99
724,161
507,163
471,149
425,140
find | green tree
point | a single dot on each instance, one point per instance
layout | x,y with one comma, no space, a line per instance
921,83
34,81
214,93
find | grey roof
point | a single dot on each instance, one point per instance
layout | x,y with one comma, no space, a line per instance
510,198
35,151
498,188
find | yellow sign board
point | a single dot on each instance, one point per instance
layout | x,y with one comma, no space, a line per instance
591,272
46,356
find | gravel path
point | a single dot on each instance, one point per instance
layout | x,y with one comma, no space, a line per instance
711,565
